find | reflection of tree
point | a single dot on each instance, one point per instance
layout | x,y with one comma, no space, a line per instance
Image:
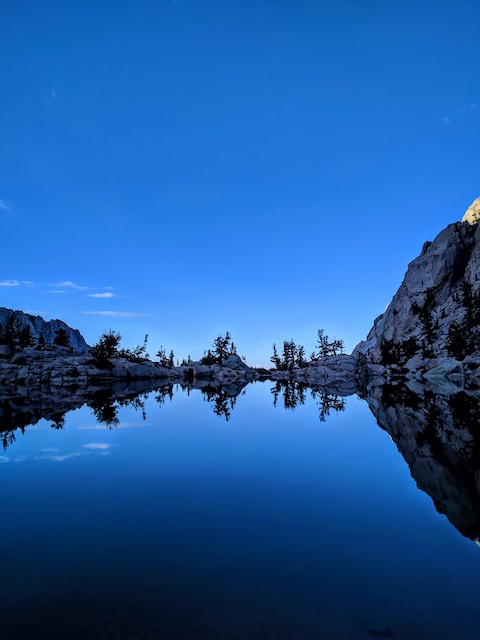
105,409
164,393
58,420
105,406
326,402
17,413
136,402
223,403
12,418
293,393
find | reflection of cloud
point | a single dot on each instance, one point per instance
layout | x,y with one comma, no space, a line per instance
446,120
66,284
4,205
106,295
117,314
122,425
4,459
65,456
48,450
97,445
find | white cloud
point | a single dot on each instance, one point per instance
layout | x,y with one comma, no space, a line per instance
56,291
66,284
5,205
446,120
16,283
51,96
106,295
117,314
97,445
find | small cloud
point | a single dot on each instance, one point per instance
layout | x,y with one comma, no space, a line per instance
446,120
66,284
16,283
9,283
4,459
97,445
117,314
49,450
56,291
51,96
5,205
472,107
107,295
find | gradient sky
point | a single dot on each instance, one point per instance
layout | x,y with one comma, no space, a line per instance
266,168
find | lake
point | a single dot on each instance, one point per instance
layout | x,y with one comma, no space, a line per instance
184,514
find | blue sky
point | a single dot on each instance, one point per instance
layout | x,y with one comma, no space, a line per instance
267,168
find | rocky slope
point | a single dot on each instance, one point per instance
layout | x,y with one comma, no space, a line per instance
42,330
435,313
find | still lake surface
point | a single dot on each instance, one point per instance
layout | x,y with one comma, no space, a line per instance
176,523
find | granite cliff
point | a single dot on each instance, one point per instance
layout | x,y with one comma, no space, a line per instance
41,330
433,320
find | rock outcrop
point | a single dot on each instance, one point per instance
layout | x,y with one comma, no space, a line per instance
436,311
42,330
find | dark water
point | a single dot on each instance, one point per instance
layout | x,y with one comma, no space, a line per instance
172,522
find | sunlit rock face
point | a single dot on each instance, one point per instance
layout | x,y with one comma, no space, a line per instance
438,436
441,287
40,328
472,214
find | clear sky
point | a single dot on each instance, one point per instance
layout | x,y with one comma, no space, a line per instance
264,167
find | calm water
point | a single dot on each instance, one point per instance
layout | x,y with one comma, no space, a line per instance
176,523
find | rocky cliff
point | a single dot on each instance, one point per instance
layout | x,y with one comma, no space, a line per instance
41,330
436,311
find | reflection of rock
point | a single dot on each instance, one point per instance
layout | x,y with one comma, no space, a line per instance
438,436
21,411
26,408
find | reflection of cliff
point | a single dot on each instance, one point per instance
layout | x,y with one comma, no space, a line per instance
439,437
17,413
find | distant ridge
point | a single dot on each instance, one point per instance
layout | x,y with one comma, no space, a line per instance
46,330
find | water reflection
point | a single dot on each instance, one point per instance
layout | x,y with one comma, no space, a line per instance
294,394
435,429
